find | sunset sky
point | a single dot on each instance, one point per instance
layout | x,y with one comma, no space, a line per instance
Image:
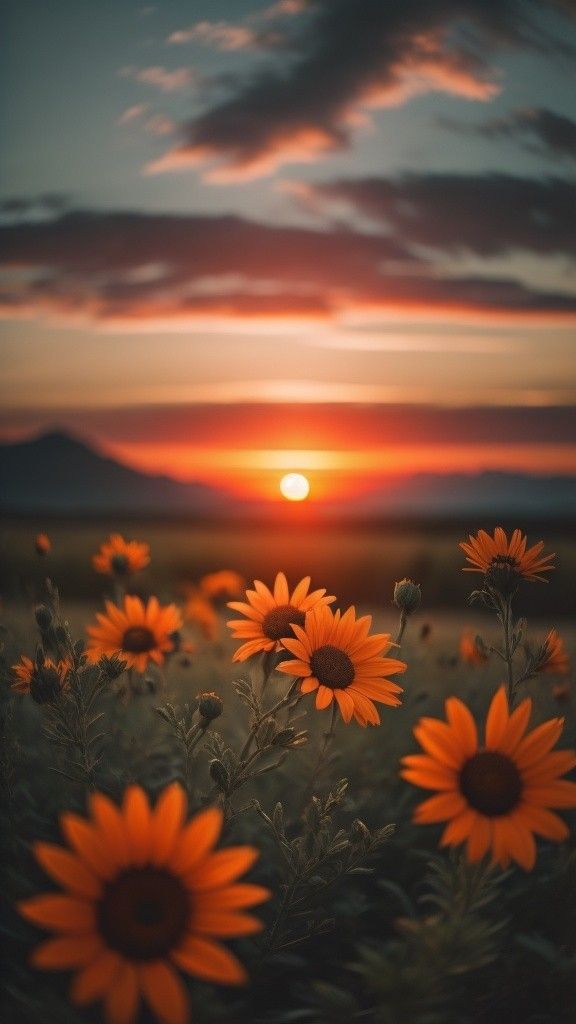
337,236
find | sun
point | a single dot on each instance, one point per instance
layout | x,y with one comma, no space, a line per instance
294,487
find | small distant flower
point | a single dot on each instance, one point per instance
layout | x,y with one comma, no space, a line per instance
337,658
270,616
43,544
136,633
119,557
505,562
470,652
44,681
407,595
496,796
143,894
553,656
199,610
225,583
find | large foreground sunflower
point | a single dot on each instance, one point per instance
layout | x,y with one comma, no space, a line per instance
144,893
496,796
119,557
505,562
136,633
337,658
271,615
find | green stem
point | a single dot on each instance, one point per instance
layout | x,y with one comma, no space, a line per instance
401,626
507,626
328,737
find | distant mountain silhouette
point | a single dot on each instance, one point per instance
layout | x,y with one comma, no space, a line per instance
56,473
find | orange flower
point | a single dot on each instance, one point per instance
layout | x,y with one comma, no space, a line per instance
143,894
43,544
496,796
470,652
119,557
43,682
337,658
553,656
561,691
200,610
270,616
504,562
226,583
136,633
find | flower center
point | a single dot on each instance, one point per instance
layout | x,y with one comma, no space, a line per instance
45,685
143,913
503,572
277,623
119,564
332,667
138,639
491,783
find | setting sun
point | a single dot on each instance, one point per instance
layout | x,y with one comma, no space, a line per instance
294,487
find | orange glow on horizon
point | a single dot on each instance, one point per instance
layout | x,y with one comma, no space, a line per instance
334,474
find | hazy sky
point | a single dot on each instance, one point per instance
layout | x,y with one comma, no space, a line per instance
332,201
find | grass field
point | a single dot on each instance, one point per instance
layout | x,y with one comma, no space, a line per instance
347,936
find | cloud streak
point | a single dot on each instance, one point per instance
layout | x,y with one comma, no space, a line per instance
348,58
143,270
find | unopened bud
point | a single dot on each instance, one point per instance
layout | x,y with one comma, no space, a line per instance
210,706
43,617
407,595
219,774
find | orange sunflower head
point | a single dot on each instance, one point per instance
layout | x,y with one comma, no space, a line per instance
505,562
497,796
143,894
42,544
224,583
470,652
44,681
553,656
270,616
119,557
336,657
136,632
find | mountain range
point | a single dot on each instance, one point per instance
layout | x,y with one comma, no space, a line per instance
59,474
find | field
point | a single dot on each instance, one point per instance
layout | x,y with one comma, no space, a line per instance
364,922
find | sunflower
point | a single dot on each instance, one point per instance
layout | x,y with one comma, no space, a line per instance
44,682
42,544
505,562
224,583
143,893
270,616
200,610
136,632
553,656
470,652
119,557
337,658
498,795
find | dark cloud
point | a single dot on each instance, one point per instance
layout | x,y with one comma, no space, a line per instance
132,268
536,129
350,56
486,214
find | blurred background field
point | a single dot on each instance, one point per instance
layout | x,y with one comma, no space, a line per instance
357,562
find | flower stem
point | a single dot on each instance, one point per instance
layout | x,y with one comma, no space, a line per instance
401,626
508,650
328,737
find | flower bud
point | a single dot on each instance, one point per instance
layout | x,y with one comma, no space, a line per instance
210,706
407,595
219,774
44,617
